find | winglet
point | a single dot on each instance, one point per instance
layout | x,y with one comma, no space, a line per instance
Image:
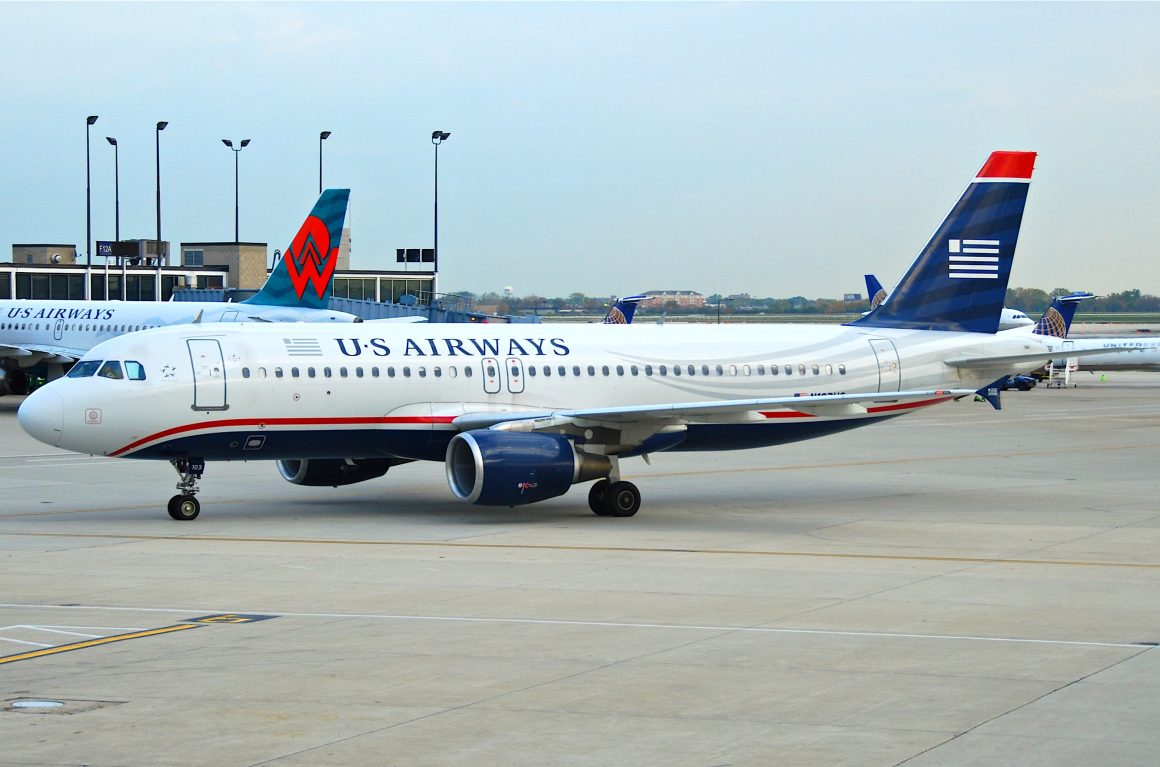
304,275
959,280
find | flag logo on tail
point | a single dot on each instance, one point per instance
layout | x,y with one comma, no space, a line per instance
974,259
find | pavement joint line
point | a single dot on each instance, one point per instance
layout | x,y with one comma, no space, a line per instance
598,549
593,624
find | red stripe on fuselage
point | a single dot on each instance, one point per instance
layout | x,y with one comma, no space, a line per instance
263,422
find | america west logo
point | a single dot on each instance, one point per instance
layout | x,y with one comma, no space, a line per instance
310,258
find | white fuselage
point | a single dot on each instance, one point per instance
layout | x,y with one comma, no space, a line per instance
1138,354
251,391
70,328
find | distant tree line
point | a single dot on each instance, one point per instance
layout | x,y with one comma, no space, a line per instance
1030,300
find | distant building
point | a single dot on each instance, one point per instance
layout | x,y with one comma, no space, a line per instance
688,299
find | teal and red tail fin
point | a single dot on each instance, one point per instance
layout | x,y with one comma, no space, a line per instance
959,280
304,275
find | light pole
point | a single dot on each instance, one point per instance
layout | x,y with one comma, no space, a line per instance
237,149
437,138
116,188
160,127
323,136
88,213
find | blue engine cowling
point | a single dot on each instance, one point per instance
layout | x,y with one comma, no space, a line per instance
503,468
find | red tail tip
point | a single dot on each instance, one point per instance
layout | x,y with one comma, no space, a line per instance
1008,165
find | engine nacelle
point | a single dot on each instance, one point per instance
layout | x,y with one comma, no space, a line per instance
332,472
13,381
504,468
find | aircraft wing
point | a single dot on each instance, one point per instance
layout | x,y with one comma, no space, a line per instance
723,410
30,355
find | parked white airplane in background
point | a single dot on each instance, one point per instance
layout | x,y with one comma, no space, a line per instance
58,333
521,413
1008,319
1120,354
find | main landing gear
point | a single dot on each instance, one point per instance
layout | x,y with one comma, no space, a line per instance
184,506
614,499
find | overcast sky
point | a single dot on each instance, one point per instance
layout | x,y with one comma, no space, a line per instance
602,148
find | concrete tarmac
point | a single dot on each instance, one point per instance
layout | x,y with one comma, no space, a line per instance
954,587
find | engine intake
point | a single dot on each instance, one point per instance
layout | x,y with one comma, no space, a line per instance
13,381
502,468
332,472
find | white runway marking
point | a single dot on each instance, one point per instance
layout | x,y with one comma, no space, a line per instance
603,624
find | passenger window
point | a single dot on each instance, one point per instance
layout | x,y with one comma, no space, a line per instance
676,370
310,372
732,370
561,370
438,371
761,370
406,372
111,369
375,372
634,370
841,370
692,370
326,372
422,371
829,370
814,369
789,370
277,372
648,370
575,370
245,372
468,372
801,368
620,370
547,371
604,370
745,370
84,369
343,373
720,370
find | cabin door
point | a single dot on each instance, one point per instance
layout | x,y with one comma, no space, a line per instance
889,368
209,374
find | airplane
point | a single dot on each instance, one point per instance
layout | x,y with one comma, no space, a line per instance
1119,354
57,333
1010,318
519,414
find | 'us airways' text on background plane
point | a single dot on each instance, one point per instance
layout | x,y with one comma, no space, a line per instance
520,414
57,333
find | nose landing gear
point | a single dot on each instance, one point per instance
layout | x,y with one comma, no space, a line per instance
184,506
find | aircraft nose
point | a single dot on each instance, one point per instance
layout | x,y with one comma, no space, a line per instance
42,416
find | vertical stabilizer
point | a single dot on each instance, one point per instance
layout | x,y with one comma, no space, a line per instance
959,280
304,275
622,311
1056,321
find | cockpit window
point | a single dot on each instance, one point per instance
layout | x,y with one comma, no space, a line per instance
111,369
85,368
134,370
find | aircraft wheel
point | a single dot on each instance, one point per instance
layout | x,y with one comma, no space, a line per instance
622,499
184,507
596,496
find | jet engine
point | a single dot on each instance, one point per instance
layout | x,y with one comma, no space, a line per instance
332,472
503,468
13,381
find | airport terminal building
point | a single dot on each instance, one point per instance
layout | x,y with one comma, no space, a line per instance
137,270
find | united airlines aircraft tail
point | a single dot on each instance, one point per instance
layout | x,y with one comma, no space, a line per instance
1056,321
304,275
622,311
959,280
874,291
